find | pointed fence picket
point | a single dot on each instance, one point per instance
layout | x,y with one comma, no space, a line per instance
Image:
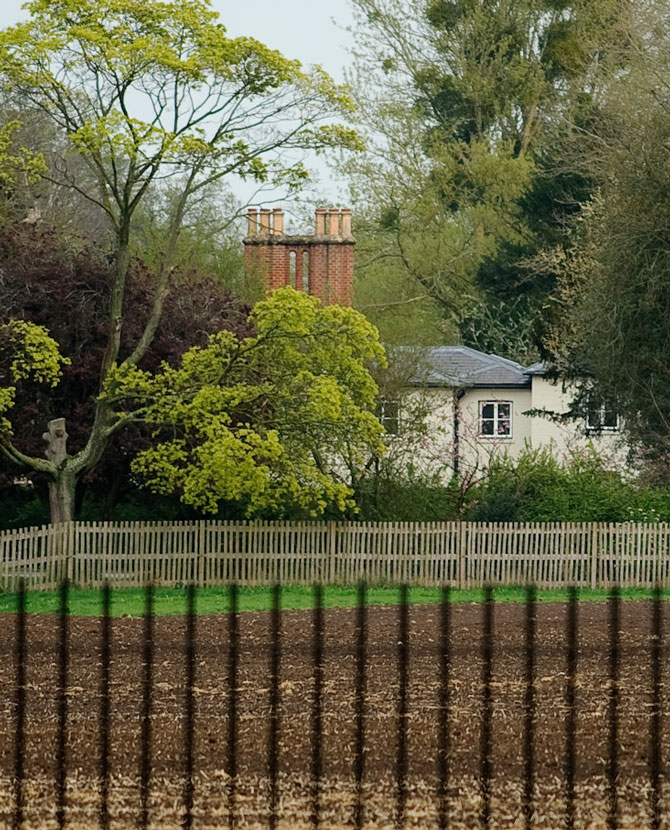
461,554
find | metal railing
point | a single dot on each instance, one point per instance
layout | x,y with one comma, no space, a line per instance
443,762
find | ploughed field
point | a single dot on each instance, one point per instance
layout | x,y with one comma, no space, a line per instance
296,684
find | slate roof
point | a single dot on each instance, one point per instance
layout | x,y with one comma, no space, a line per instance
463,366
537,369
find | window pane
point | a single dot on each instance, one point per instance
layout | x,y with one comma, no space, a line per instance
602,417
487,427
503,410
593,419
609,419
391,409
488,410
388,412
503,428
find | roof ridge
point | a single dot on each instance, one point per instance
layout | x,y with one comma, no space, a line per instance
507,360
489,357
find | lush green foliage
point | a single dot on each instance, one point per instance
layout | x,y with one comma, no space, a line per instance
28,354
470,108
144,91
62,284
540,487
160,83
611,326
274,421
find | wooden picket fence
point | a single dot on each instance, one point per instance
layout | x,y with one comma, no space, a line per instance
462,554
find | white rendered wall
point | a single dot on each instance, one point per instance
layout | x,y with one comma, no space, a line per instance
432,452
571,434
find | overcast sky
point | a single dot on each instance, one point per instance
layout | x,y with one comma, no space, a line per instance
310,30
313,31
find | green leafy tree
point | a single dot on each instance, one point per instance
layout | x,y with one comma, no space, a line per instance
147,90
278,421
430,216
468,106
610,330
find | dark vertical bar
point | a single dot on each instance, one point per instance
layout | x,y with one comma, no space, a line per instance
233,659
189,706
529,708
655,725
317,725
443,710
485,749
105,659
61,752
147,694
613,711
275,657
570,703
361,657
403,677
20,736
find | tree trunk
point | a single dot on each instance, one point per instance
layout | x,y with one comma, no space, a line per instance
61,497
63,482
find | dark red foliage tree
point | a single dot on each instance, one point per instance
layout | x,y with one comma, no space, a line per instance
63,283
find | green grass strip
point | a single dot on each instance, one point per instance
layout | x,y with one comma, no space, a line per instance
129,602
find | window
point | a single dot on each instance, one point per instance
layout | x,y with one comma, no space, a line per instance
305,272
495,419
292,269
602,418
388,412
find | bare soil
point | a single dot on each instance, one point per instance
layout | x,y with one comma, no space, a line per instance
295,785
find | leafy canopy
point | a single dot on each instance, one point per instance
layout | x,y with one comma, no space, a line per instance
610,327
28,354
472,101
144,91
273,421
146,88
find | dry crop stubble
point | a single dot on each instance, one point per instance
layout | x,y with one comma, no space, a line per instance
338,721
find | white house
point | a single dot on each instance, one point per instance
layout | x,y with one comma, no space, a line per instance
474,405
471,405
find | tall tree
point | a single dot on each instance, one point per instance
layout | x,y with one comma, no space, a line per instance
63,284
146,90
283,419
487,91
610,329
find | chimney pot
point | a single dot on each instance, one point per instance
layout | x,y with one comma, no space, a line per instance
320,221
265,221
346,222
277,221
252,219
333,222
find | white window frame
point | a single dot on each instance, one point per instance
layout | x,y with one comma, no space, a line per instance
602,410
496,420
385,418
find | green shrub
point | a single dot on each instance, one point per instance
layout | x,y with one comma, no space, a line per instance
404,499
21,507
538,487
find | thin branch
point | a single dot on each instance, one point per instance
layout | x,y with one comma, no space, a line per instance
396,302
26,461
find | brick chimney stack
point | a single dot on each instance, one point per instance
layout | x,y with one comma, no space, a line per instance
322,265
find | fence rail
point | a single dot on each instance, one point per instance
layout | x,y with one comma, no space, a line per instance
460,554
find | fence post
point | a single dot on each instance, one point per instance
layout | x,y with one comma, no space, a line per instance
332,547
200,575
461,541
594,554
68,548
